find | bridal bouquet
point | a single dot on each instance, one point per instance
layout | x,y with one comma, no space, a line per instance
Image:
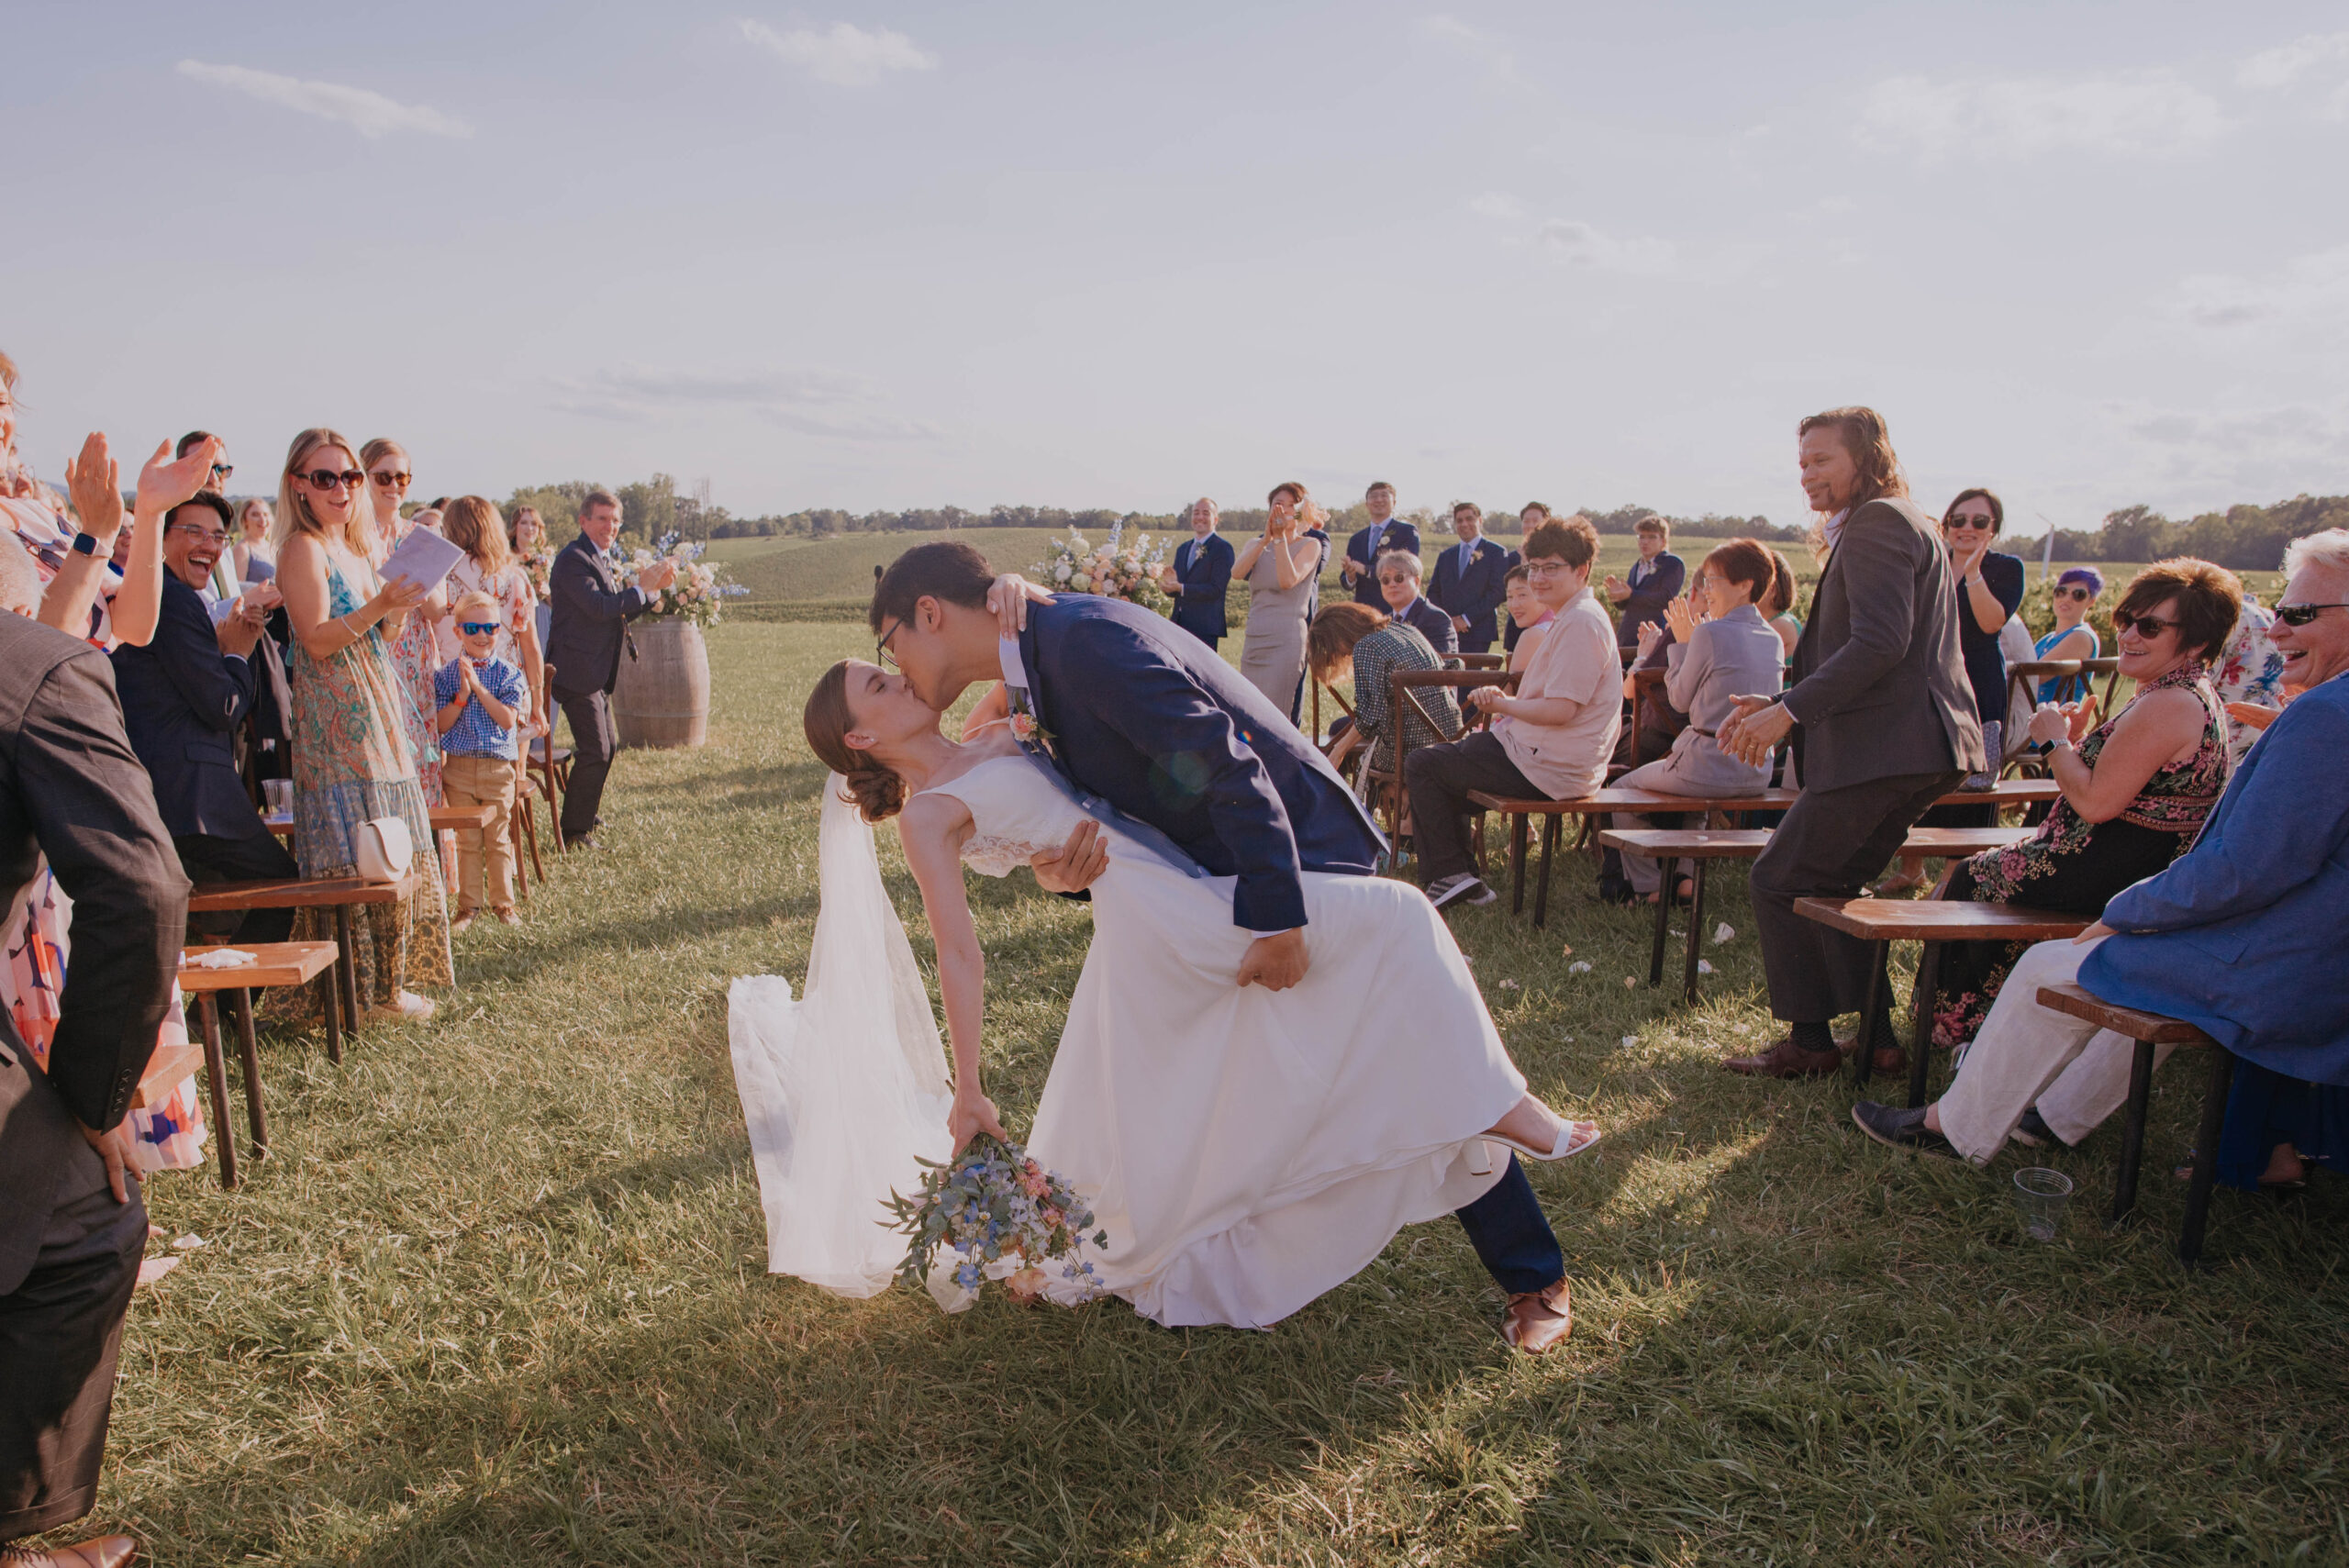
1120,569
993,1206
694,594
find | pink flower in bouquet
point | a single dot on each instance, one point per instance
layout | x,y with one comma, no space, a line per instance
1027,1286
1034,1182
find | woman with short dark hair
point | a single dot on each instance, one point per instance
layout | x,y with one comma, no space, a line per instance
2135,790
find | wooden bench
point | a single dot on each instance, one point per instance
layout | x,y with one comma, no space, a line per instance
1932,921
2148,1030
1706,846
1653,802
275,964
340,894
453,818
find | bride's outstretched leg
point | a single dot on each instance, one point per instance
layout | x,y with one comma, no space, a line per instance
1532,1128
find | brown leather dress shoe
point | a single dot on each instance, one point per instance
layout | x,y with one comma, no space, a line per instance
1787,1060
106,1551
1539,1318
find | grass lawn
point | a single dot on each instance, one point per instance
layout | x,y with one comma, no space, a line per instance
497,1298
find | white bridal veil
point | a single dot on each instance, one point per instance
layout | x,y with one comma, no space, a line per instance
846,1087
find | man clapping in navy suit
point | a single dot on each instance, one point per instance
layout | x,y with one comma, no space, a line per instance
1367,544
1199,574
1471,580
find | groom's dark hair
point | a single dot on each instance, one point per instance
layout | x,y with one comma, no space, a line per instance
950,572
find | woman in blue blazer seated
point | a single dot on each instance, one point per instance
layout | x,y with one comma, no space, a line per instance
2239,937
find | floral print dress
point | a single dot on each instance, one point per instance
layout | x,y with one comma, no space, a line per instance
2077,866
353,762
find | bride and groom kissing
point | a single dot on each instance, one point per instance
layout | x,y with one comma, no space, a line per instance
1272,1060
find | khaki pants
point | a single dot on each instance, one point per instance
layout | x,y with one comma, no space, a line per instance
482,781
2076,1074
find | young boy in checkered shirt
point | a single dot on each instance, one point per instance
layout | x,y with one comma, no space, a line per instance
483,701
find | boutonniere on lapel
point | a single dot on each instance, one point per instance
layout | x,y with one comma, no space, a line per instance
1026,728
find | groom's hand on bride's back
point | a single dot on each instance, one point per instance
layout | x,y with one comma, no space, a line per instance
1076,865
1275,961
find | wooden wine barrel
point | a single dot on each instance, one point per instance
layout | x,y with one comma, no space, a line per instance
662,698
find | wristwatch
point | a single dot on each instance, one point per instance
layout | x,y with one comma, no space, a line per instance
85,544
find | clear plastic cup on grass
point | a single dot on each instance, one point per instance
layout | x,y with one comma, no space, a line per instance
2040,1196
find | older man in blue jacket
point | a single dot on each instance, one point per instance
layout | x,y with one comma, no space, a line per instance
2239,937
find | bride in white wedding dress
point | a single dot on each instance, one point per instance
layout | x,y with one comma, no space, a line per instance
1245,1150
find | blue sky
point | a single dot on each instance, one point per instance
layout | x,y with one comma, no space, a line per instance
1088,255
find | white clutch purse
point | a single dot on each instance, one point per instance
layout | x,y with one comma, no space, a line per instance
385,848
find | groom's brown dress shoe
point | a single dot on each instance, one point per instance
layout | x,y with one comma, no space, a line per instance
1539,1318
1787,1060
106,1552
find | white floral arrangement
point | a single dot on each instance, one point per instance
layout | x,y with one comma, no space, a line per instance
1120,568
699,589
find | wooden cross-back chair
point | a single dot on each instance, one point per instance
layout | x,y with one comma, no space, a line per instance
1382,788
2022,680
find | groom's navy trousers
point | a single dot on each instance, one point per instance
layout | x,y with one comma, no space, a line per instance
1152,720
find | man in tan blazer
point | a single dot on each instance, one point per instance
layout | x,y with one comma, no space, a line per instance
1882,724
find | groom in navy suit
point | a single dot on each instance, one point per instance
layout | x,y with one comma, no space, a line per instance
1168,733
1199,574
1469,580
1360,569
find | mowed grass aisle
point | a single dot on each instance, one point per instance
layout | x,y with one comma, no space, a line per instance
499,1297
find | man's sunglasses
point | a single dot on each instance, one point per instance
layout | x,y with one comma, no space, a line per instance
328,479
477,628
2080,593
387,480
223,469
202,535
2300,614
2146,626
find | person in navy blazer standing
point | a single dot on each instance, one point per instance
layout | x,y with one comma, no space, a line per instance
1656,578
1470,580
1360,570
1400,579
1199,574
588,629
1172,736
184,696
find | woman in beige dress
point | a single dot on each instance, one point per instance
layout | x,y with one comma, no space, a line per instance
1282,567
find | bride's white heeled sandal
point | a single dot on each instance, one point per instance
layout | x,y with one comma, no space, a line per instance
1573,1136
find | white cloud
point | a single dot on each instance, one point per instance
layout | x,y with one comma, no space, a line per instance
1485,48
844,55
813,402
2143,114
1498,204
2236,454
2307,295
1578,244
370,114
2283,66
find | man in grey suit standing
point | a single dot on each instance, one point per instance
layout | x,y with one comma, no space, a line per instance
73,1227
587,632
1883,724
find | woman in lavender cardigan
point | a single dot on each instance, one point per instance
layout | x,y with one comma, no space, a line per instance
1732,649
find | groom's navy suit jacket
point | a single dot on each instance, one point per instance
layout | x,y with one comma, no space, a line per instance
1151,719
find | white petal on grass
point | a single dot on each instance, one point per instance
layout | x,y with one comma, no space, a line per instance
1578,967
372,114
1704,966
1723,933
842,55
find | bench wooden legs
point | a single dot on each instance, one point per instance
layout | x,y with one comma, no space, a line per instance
1517,823
1864,1058
2206,1155
2206,1146
1695,923
1663,930
349,968
1920,1006
216,1076
330,1009
1542,880
2132,1131
249,1052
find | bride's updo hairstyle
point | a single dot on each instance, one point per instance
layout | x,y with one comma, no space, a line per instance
877,792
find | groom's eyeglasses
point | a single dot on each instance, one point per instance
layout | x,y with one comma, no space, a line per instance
881,653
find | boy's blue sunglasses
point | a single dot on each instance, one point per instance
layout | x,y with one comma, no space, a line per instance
476,628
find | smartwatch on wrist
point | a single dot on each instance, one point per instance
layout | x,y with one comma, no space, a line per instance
85,544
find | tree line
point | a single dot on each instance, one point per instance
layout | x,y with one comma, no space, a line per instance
2246,538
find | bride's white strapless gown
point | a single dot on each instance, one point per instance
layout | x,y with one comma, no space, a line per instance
1247,1149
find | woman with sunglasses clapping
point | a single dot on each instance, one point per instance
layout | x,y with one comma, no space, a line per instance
353,758
2136,787
2075,592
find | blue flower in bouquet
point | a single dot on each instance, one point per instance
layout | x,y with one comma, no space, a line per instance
993,1205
